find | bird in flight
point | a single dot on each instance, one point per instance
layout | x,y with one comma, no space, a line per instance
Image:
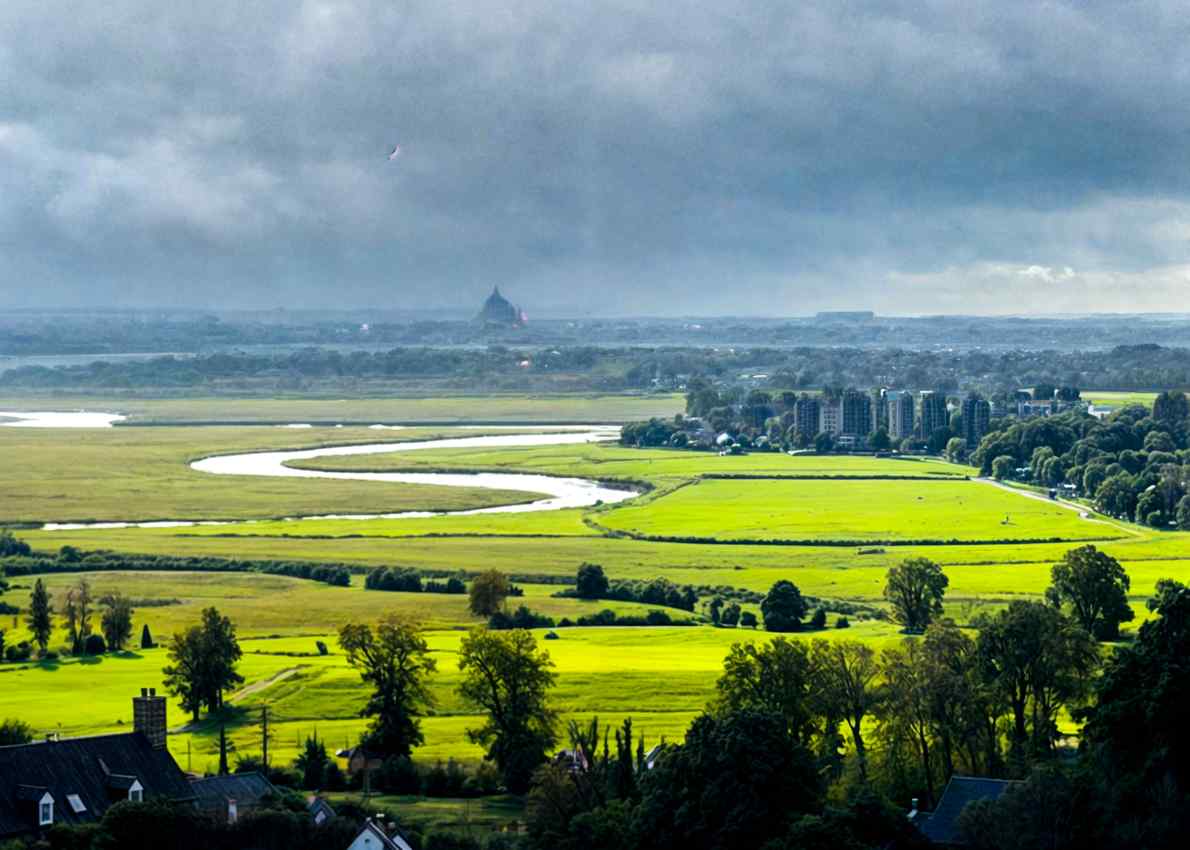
395,153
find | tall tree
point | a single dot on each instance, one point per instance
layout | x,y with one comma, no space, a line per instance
41,616
845,680
1039,662
915,589
395,661
1095,587
507,677
1171,407
1135,734
116,620
77,611
488,592
905,715
774,678
783,607
203,663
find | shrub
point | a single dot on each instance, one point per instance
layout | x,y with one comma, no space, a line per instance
842,623
818,619
94,645
322,650
19,651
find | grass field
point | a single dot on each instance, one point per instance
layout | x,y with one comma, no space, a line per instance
661,677
611,461
853,510
366,411
1118,399
65,475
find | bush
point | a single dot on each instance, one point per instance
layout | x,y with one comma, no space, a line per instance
322,649
748,620
19,651
842,623
818,619
522,618
94,645
398,776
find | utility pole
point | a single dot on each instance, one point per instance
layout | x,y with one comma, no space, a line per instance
264,736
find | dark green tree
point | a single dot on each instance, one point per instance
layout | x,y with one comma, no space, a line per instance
1095,587
203,663
590,582
508,678
775,678
736,781
394,660
915,589
116,620
1171,407
1039,663
313,763
41,616
783,607
488,592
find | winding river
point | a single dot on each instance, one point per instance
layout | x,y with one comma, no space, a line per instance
560,492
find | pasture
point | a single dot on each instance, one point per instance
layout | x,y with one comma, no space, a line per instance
887,509
461,409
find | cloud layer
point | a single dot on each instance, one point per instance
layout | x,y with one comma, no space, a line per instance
622,157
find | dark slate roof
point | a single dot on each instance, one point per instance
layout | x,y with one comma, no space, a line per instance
247,789
383,839
942,825
92,768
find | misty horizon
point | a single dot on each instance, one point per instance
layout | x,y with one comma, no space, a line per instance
952,159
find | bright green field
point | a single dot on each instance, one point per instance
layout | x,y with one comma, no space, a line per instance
63,475
1118,399
611,461
461,409
853,510
661,677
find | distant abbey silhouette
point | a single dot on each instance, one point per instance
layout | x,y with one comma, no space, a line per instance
498,310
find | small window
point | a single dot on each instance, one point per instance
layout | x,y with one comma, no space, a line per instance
46,813
76,803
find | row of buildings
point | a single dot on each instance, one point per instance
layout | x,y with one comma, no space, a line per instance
853,416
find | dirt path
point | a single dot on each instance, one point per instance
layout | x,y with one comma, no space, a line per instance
1070,506
256,687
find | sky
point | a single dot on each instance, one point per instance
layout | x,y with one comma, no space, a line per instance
597,158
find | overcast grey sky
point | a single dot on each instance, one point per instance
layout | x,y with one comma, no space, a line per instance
624,157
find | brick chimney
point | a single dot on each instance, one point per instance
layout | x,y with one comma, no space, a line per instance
148,716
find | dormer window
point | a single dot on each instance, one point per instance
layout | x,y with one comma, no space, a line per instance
136,792
45,811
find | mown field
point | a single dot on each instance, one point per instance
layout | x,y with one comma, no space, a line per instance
518,409
660,676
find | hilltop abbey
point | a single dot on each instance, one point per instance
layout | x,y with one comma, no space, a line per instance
498,310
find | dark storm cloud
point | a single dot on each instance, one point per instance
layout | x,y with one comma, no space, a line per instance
622,157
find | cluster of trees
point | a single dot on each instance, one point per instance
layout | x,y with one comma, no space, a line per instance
78,612
504,676
409,580
1134,465
591,582
21,561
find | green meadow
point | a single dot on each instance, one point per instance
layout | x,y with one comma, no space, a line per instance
461,409
833,525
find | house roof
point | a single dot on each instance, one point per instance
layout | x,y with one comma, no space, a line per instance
94,769
941,827
213,792
386,842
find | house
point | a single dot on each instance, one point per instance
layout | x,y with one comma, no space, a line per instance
320,810
941,825
373,836
359,759
225,798
76,780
